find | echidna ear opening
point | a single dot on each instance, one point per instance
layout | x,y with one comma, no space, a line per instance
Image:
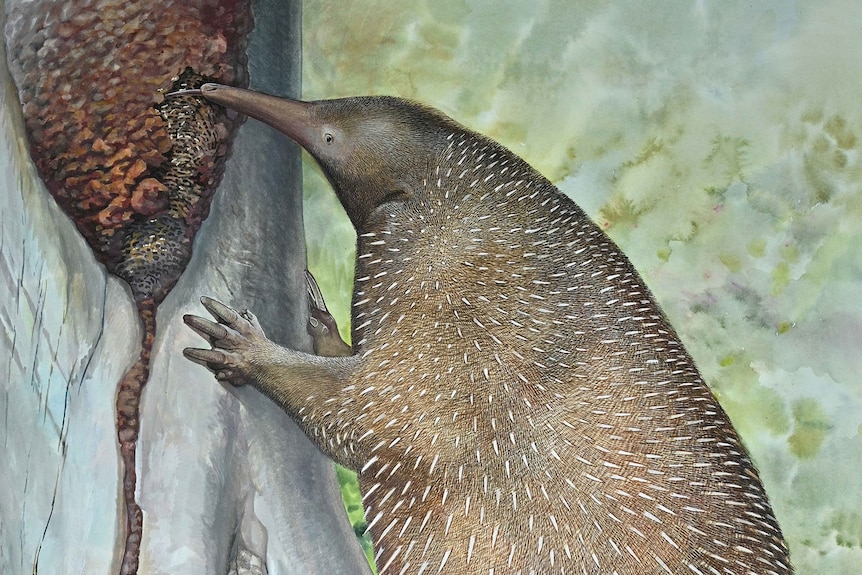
398,195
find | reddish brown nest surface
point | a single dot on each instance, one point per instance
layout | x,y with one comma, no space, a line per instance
90,77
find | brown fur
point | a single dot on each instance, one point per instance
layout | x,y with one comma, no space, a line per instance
516,401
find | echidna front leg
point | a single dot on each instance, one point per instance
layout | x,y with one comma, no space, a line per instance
242,354
305,386
230,358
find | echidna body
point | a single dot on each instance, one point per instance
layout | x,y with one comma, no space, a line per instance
516,401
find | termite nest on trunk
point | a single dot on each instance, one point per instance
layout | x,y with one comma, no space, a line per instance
150,253
133,172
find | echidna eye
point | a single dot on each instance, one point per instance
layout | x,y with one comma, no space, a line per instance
327,137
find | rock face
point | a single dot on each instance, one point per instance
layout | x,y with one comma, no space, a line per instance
224,482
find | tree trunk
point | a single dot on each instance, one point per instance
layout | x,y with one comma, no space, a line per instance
227,483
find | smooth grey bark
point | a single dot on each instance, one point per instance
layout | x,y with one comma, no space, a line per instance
226,481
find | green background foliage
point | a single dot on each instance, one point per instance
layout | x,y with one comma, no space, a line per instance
717,143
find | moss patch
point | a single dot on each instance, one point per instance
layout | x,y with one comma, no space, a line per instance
353,504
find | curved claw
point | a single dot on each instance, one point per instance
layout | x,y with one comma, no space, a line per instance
321,325
251,319
225,315
314,294
233,335
205,328
243,321
206,357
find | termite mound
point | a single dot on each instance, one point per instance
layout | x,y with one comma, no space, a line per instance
134,172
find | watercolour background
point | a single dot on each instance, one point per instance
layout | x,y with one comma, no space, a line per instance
718,145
